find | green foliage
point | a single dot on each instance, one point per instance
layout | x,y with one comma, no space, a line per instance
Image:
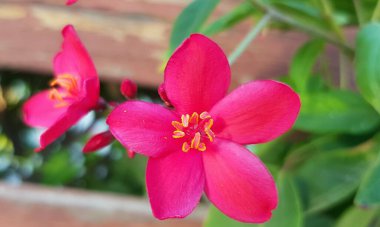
358,217
369,193
331,177
367,63
336,112
303,63
233,17
187,23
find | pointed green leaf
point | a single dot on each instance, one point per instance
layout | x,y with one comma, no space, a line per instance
369,191
191,20
329,178
233,17
367,63
357,217
336,112
303,62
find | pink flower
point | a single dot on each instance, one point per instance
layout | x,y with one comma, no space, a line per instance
70,2
73,93
199,146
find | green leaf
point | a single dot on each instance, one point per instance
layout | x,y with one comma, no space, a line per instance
369,191
233,17
329,178
215,218
191,20
318,221
367,63
303,62
357,217
287,214
336,112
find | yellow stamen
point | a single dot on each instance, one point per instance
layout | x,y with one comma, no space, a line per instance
205,115
194,118
178,134
185,147
177,125
185,120
202,147
196,140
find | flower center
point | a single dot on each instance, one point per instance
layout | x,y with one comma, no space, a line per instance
63,89
195,129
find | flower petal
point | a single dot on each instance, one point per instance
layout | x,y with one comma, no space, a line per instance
73,58
40,111
70,2
64,123
197,75
144,128
175,183
238,183
256,112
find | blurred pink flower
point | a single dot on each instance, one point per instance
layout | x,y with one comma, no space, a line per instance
73,93
70,2
199,145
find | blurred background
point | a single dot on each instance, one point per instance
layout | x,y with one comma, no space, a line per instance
319,166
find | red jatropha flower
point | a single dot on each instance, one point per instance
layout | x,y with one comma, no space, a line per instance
199,145
70,2
73,93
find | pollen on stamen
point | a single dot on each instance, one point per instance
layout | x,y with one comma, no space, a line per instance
185,147
178,134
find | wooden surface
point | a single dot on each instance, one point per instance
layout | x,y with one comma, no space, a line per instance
37,206
127,38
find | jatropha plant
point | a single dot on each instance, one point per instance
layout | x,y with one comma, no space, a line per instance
196,144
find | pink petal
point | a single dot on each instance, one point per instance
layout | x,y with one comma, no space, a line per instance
64,123
256,112
238,183
70,2
40,111
175,184
197,75
144,128
73,58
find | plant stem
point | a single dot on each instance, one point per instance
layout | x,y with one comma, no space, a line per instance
248,39
329,15
309,29
376,13
359,11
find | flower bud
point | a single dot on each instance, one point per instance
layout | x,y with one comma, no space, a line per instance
131,154
163,96
128,88
98,141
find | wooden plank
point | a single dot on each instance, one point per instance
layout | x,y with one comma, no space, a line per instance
31,205
127,38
